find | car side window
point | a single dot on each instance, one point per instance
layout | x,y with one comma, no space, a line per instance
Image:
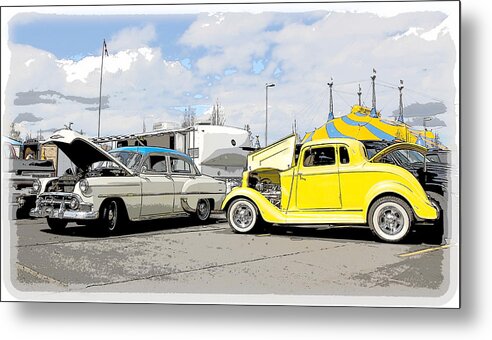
158,163
344,155
319,156
181,166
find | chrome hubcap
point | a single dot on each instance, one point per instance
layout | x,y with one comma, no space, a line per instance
203,209
391,220
111,215
242,216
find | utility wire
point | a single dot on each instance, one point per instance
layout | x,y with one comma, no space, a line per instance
353,82
345,92
343,99
414,91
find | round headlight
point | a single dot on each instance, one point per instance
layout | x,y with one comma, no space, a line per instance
36,186
84,186
74,203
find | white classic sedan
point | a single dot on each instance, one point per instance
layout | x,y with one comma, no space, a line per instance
125,184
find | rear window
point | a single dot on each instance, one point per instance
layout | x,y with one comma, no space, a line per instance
344,155
363,150
181,166
158,163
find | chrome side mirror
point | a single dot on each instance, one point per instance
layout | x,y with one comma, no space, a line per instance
143,170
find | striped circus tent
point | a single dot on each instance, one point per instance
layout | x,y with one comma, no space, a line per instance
361,125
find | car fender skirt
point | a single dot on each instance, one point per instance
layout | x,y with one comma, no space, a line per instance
268,211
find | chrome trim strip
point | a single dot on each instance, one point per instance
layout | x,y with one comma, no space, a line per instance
202,193
324,210
157,216
114,185
159,194
118,195
61,194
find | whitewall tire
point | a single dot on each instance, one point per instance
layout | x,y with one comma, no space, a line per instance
390,218
243,216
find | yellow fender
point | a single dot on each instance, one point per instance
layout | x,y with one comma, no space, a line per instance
267,210
418,201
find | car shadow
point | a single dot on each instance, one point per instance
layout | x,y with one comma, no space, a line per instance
134,228
349,234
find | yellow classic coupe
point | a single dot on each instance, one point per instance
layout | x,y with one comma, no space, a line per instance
328,181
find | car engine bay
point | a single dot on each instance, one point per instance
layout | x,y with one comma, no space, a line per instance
267,187
67,182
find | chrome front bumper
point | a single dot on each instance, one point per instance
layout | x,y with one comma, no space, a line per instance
64,214
56,205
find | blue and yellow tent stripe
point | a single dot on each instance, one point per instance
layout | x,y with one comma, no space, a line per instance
360,124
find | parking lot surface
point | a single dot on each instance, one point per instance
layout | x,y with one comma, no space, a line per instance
178,256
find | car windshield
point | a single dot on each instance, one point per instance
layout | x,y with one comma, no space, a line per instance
130,159
434,158
411,156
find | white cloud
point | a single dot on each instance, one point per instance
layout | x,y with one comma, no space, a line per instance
132,38
410,31
231,38
140,81
435,33
343,45
79,70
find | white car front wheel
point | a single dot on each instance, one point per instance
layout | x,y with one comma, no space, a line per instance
243,216
390,218
113,217
56,225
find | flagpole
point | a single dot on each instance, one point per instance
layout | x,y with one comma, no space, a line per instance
104,50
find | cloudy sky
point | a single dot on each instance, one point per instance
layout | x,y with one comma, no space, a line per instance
163,59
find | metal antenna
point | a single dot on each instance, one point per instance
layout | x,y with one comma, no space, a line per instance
330,114
400,88
359,93
373,79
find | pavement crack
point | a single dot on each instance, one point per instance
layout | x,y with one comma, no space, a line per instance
212,267
40,276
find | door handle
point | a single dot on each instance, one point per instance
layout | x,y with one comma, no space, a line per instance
300,176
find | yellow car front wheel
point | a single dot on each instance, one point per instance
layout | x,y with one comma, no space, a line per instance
390,218
243,216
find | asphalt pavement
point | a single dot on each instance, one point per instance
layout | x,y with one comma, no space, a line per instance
177,256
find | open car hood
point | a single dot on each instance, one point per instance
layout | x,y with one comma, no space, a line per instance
81,151
279,155
398,146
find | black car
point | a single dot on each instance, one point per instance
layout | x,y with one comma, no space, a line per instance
21,175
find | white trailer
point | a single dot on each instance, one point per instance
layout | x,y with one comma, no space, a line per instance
219,151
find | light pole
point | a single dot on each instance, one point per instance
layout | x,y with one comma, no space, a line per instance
104,52
267,85
426,119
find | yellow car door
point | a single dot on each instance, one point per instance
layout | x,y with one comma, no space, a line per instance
318,185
